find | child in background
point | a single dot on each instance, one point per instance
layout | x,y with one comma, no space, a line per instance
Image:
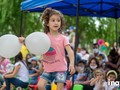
81,76
54,63
111,76
3,68
19,76
102,59
98,80
9,69
33,71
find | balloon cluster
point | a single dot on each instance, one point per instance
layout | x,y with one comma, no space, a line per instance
37,43
103,45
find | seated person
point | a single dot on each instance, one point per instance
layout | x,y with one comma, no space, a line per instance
33,71
3,68
19,76
92,66
111,76
98,80
9,69
81,76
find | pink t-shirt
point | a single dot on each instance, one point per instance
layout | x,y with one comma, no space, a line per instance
3,64
54,59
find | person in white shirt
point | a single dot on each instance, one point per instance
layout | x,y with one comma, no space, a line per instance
98,80
20,75
96,53
84,55
111,77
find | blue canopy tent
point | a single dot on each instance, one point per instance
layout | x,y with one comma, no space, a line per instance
98,8
93,8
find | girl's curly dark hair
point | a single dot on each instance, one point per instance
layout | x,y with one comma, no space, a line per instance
48,12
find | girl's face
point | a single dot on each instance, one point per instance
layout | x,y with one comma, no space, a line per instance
54,23
111,77
33,62
81,66
28,57
93,64
99,75
83,52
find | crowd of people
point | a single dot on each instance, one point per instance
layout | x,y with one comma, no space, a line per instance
93,70
97,70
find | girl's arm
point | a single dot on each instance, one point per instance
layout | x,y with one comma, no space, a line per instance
100,84
71,57
114,88
37,70
40,67
112,65
93,80
35,74
80,78
14,73
84,82
2,71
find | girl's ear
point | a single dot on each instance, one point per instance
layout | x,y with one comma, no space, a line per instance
48,24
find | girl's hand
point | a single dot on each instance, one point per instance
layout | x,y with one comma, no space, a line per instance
34,69
97,78
71,69
3,76
30,76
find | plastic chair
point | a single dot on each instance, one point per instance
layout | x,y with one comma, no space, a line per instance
78,87
68,84
34,87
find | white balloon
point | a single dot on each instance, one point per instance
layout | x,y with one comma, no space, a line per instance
37,43
9,46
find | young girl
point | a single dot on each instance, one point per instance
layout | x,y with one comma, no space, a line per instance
3,68
19,76
82,75
33,71
111,77
54,62
98,80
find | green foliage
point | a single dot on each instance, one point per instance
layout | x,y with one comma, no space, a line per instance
10,15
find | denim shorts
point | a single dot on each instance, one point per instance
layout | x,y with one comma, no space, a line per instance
56,76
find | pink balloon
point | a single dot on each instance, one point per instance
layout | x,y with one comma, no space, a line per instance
100,42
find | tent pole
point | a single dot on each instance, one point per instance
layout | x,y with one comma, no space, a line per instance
21,23
76,35
116,27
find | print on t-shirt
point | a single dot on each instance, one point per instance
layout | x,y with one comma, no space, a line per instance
49,57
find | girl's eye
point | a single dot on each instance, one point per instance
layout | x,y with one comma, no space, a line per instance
53,20
58,20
